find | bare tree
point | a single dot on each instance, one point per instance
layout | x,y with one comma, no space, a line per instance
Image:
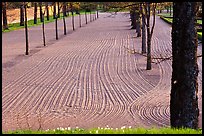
149,32
184,110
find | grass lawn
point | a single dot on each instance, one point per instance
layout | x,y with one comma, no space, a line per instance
16,26
107,130
170,20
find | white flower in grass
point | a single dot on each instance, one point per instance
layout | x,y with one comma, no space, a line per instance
90,132
123,127
98,127
65,128
116,128
58,129
69,128
77,127
101,128
96,131
62,129
107,126
123,130
130,127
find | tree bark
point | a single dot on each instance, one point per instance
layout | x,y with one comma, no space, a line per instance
5,24
64,9
58,7
184,100
22,15
143,31
41,13
35,12
85,16
149,60
47,8
54,12
138,26
26,28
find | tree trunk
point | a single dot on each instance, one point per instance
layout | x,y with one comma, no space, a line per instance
5,24
85,16
143,32
26,27
43,27
55,10
90,16
58,7
149,59
72,17
138,26
184,100
22,15
47,8
170,10
35,12
64,9
79,20
133,19
56,30
41,13
65,31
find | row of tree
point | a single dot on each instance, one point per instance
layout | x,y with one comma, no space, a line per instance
55,7
93,16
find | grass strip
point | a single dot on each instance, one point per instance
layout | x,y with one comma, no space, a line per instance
107,130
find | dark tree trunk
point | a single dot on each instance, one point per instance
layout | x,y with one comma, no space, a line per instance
97,13
184,110
41,12
65,30
5,24
133,18
170,10
79,20
56,30
43,27
22,15
47,8
149,32
90,16
35,12
138,26
26,28
72,12
86,17
143,31
64,9
167,10
58,7
149,59
55,10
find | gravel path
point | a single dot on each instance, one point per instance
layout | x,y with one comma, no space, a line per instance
88,78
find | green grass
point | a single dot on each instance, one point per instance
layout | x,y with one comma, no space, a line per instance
108,130
16,26
165,14
199,22
170,20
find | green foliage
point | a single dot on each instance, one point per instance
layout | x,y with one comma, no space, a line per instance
107,130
